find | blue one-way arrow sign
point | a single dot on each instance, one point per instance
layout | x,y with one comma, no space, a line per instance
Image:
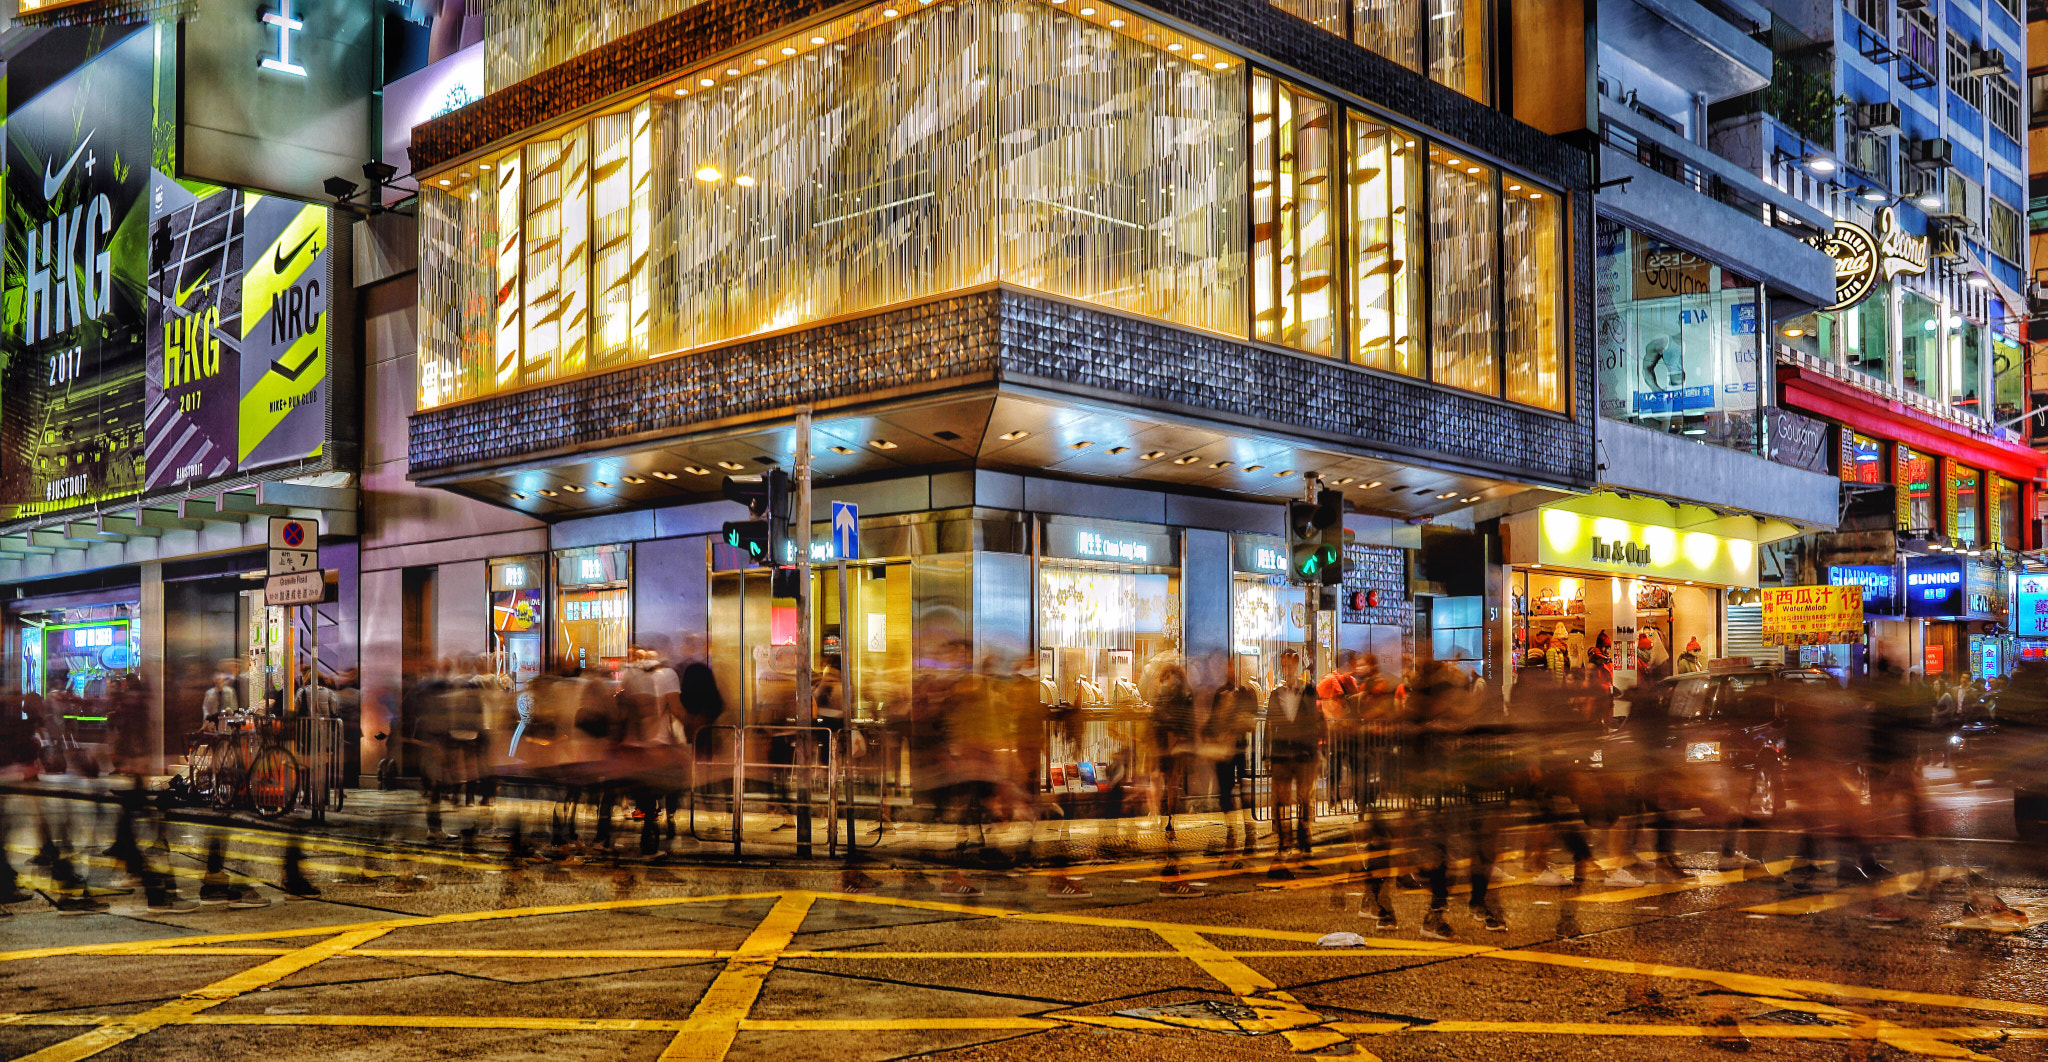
845,530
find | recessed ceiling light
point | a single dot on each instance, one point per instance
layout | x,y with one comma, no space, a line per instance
672,475
1472,499
732,72
600,484
788,51
842,449
1255,468
1452,162
1152,455
682,92
759,61
708,173
1013,436
695,470
1346,481
545,493
1447,494
1188,460
519,497
483,165
572,488
1222,66
1116,23
817,40
881,444
1199,56
1371,485
635,480
732,466
706,82
444,182
1116,449
1082,445
743,181
1221,464
890,12
1283,473
1173,47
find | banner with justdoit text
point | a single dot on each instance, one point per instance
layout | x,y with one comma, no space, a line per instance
1812,615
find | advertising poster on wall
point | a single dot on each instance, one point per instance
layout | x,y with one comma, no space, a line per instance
1812,615
195,330
2030,607
78,163
285,289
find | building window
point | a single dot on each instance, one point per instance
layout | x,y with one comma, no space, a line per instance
1873,13
1965,196
1386,250
1866,335
1966,365
2002,104
1445,39
1103,166
1294,222
1870,154
1961,54
1676,339
2008,512
2002,231
1534,275
1919,339
2037,97
1464,240
1965,484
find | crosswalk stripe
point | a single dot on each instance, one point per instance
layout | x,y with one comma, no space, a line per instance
1828,901
1697,881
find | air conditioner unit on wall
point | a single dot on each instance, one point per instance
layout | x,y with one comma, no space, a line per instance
1877,117
1932,151
1945,239
1987,61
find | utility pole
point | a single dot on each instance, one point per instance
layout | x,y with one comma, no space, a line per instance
806,712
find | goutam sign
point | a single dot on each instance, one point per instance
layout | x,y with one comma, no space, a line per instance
1863,257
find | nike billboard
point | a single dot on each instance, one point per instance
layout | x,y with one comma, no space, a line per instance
238,330
72,382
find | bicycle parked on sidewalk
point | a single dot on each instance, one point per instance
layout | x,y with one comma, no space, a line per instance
240,762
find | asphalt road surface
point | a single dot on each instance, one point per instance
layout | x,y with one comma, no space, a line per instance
411,952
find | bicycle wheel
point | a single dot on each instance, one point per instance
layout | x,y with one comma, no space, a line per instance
274,782
199,778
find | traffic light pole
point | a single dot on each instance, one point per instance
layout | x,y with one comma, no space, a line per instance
1311,487
807,713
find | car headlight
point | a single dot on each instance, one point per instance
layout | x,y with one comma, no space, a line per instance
1702,752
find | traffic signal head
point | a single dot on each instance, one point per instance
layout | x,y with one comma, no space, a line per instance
750,537
1315,540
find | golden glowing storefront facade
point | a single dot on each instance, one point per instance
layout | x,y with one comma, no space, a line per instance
1080,151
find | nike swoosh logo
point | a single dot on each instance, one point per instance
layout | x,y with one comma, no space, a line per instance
293,374
281,262
52,183
184,293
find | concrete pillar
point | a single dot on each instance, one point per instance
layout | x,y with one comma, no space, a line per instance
154,622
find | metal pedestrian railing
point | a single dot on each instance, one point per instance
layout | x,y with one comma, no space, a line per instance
317,743
792,769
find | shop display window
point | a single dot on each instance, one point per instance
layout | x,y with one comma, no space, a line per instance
1452,33
593,619
1862,459
1102,626
1919,341
1267,617
1463,238
1678,340
1654,629
519,617
1386,248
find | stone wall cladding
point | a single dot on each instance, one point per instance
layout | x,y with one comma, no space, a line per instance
946,340
718,25
1022,338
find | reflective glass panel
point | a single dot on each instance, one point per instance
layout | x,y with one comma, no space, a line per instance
1463,231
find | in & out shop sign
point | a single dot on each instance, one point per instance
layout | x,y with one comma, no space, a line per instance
1565,539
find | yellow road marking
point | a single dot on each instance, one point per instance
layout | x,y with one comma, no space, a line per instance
1277,1010
716,1020
1699,881
346,848
1828,901
893,956
1155,864
402,922
1227,872
179,1010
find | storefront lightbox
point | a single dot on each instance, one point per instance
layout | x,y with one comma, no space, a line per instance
1566,539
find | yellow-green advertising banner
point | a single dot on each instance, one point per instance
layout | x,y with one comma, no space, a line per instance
1812,615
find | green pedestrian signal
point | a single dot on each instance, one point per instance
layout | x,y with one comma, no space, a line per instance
1315,540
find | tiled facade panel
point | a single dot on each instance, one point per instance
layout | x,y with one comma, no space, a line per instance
1023,338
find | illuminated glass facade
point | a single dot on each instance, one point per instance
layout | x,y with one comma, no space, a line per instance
892,156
